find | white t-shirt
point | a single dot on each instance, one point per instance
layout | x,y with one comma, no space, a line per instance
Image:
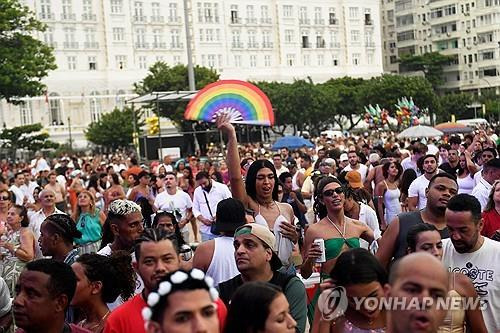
368,216
18,193
363,170
417,189
482,268
180,201
478,176
408,163
482,192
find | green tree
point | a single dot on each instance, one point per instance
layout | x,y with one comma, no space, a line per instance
162,77
114,129
29,137
431,64
492,102
24,60
454,104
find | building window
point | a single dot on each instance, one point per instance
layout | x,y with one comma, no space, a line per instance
252,41
211,60
116,6
355,36
289,36
209,35
353,12
172,13
290,60
95,107
237,61
177,60
121,61
335,60
70,39
67,10
55,110
287,11
71,63
253,61
45,9
264,13
118,34
155,11
90,38
87,10
355,58
92,63
142,60
369,58
207,13
175,38
138,12
321,60
267,61
26,113
251,14
48,37
306,60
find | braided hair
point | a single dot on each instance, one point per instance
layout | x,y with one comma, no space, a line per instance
63,225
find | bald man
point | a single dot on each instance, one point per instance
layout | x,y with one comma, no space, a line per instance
48,203
417,278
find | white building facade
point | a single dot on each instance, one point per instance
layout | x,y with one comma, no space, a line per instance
468,30
103,47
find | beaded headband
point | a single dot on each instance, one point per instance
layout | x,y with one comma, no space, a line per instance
165,288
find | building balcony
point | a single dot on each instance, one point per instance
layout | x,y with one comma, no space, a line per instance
159,45
71,45
91,45
333,21
368,22
139,19
174,20
236,45
251,20
306,45
267,45
265,20
157,19
304,21
236,20
320,45
335,45
176,46
253,45
52,44
319,22
141,45
89,17
46,16
68,17
370,44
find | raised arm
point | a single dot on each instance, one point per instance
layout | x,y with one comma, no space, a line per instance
379,194
233,159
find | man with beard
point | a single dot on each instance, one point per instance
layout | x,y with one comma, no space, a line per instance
452,165
416,276
157,253
176,201
416,193
205,199
482,158
441,188
476,256
490,173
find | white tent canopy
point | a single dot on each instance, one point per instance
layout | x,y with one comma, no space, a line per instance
163,96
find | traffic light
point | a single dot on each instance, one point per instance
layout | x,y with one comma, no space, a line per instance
153,125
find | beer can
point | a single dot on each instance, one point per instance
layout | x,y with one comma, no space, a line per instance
321,243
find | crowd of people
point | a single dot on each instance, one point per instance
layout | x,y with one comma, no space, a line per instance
255,241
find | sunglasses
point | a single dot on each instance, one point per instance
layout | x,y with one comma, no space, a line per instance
3,198
329,193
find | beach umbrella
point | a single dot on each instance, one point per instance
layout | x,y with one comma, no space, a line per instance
292,142
450,128
420,131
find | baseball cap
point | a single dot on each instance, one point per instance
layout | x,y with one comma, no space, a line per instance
343,157
354,179
265,236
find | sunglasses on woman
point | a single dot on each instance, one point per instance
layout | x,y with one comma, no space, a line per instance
329,193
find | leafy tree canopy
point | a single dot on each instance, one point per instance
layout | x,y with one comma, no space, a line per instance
162,77
431,64
114,129
29,137
24,60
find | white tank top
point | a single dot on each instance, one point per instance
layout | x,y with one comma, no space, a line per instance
223,266
466,184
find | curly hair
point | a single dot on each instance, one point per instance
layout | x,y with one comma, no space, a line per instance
115,272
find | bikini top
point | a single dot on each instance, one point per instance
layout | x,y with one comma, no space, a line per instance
333,246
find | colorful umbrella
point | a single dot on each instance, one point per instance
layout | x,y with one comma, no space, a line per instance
449,128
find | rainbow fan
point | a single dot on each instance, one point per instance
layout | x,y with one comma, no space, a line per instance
246,103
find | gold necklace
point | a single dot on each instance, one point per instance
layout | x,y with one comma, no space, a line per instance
98,324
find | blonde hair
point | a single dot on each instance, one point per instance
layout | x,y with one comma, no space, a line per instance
93,209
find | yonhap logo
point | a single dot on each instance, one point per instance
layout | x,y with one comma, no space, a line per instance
332,303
